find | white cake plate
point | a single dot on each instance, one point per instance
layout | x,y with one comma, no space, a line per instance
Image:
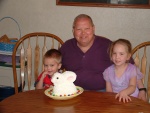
48,92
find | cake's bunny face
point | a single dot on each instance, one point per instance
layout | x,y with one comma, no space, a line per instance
63,78
57,78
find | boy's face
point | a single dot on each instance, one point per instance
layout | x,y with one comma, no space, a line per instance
51,66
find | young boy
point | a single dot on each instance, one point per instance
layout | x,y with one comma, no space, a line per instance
52,63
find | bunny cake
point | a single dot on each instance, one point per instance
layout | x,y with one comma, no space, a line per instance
63,83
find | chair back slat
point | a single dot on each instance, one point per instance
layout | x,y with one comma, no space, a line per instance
22,65
36,58
137,59
143,63
44,50
29,64
52,44
31,48
59,45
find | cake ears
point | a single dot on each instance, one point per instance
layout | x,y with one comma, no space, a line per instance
67,77
70,76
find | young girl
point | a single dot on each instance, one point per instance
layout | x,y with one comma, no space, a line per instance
121,77
52,63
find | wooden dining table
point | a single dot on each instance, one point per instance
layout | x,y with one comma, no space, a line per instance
35,101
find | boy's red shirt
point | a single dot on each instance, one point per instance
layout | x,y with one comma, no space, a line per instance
46,81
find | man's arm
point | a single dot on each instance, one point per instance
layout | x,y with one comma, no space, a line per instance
142,93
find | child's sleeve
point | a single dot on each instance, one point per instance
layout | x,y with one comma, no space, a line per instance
106,75
39,77
137,72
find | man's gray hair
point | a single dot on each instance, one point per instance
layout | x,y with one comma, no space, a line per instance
82,16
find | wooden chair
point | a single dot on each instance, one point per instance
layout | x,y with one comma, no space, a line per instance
31,49
141,57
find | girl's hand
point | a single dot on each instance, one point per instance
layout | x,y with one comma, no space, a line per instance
123,97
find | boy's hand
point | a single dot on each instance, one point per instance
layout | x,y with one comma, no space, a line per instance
46,86
44,74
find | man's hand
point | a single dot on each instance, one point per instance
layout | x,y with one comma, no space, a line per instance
142,95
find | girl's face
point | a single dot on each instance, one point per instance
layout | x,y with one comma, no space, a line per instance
51,66
120,54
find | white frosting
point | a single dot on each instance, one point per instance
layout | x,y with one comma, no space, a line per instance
63,83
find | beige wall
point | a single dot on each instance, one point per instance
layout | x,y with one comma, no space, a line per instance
44,15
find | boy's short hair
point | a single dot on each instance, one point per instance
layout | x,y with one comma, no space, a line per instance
53,53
